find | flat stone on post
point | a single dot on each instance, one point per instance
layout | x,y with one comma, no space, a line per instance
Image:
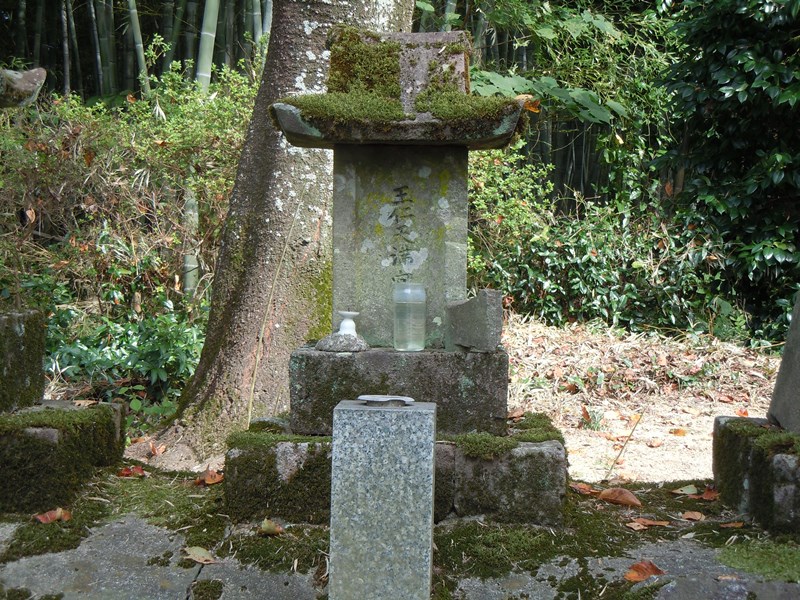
784,410
475,324
382,492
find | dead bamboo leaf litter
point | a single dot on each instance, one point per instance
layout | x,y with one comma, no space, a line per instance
596,383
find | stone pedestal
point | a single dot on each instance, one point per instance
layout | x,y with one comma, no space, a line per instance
22,346
399,214
470,389
382,502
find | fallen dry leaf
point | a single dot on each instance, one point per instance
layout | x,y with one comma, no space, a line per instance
654,443
84,403
741,412
209,477
516,414
710,494
134,471
270,527
678,431
157,450
619,496
685,490
199,555
650,522
583,488
732,525
643,570
51,516
636,526
693,515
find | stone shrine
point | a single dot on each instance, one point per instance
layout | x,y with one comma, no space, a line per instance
400,120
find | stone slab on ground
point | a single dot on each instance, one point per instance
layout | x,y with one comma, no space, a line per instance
115,563
470,389
757,471
22,345
784,409
114,560
266,474
48,451
382,478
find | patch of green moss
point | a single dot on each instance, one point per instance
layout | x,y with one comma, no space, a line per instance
536,427
452,105
484,445
358,106
764,557
255,488
207,589
322,288
160,561
361,62
14,593
173,501
34,538
308,545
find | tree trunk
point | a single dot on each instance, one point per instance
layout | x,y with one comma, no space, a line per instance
21,30
65,47
274,262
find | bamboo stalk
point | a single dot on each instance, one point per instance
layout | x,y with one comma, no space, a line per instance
205,53
65,46
136,31
169,56
37,36
73,38
98,59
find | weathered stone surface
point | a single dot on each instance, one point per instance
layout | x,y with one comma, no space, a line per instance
22,345
475,324
266,474
20,88
527,485
382,501
784,409
757,472
470,389
47,453
342,342
398,214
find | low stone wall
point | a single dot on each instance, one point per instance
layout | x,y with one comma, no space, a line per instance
47,453
757,471
288,477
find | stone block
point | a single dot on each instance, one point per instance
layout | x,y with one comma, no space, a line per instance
470,389
278,475
784,409
526,485
382,501
47,453
399,214
757,472
22,346
475,324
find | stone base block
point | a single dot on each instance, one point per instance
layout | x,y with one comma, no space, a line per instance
289,477
47,453
757,471
470,389
22,345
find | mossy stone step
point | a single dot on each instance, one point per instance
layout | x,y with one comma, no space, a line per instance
515,479
49,450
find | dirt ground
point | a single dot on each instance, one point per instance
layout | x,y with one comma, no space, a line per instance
601,386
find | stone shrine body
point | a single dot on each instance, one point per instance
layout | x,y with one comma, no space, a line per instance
400,120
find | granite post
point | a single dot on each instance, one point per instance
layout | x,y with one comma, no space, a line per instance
382,491
784,410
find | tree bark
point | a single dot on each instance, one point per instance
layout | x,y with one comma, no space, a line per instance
274,262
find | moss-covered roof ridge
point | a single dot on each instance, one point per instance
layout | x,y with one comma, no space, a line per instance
397,88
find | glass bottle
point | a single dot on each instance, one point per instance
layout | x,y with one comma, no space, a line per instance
409,316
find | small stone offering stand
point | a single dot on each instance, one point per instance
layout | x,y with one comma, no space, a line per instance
757,461
400,120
